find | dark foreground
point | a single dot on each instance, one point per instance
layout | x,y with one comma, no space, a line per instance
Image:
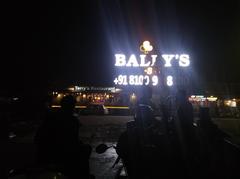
95,130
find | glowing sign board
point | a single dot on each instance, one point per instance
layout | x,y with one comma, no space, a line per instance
136,80
147,62
133,61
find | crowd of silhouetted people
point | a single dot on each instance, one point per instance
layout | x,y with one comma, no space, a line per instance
175,146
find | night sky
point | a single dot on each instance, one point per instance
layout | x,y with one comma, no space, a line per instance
53,45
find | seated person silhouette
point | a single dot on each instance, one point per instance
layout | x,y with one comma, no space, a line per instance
142,147
58,143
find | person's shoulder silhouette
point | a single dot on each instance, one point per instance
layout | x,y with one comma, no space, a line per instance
58,141
59,130
185,109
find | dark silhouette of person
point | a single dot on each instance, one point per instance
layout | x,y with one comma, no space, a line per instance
142,147
146,95
165,118
184,111
58,143
212,146
186,133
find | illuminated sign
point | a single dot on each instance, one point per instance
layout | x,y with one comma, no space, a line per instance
146,47
91,88
136,80
147,62
133,61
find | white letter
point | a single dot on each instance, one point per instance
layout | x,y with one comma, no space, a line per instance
143,63
169,80
153,59
154,80
132,61
168,59
184,60
146,80
120,60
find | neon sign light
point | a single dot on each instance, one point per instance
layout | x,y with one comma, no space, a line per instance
146,47
133,61
147,62
169,80
136,80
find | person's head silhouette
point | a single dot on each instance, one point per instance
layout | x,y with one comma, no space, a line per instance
68,103
181,96
144,115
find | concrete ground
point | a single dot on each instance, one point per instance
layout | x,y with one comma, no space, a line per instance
103,129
